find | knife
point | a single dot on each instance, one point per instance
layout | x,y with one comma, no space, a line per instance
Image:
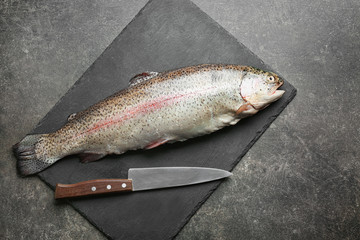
140,179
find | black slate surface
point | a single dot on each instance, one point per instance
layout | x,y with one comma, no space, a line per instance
164,35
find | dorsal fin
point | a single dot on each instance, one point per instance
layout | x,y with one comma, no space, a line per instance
142,77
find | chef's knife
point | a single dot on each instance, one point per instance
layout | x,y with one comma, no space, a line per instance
142,179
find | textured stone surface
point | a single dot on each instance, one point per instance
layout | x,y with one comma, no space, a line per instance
45,47
299,181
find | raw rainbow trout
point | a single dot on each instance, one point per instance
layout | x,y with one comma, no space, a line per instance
155,109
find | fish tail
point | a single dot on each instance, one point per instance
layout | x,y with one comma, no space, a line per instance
31,156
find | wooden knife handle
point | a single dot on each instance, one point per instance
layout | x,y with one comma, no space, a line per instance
92,187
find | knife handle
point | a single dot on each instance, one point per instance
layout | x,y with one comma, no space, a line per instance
92,187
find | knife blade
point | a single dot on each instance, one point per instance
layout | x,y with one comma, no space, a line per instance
140,179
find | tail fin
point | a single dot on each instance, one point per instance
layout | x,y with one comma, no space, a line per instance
29,160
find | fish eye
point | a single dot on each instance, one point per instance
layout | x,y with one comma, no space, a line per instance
271,78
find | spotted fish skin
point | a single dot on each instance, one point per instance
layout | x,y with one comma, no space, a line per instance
156,108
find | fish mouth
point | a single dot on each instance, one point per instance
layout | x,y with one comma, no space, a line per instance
274,89
273,95
277,94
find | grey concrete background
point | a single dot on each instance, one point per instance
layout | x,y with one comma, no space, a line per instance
299,181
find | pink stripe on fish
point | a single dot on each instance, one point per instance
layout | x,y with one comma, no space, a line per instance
142,109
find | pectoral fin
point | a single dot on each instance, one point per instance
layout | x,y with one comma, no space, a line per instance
246,109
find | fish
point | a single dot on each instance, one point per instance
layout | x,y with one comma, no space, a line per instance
156,108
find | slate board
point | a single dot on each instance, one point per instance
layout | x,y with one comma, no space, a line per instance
164,35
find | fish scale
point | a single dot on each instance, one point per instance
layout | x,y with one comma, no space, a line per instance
156,108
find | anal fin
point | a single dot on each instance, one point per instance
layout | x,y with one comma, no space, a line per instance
157,143
90,157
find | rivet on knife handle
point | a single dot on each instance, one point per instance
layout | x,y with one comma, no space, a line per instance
92,187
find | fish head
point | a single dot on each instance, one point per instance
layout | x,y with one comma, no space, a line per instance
260,88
